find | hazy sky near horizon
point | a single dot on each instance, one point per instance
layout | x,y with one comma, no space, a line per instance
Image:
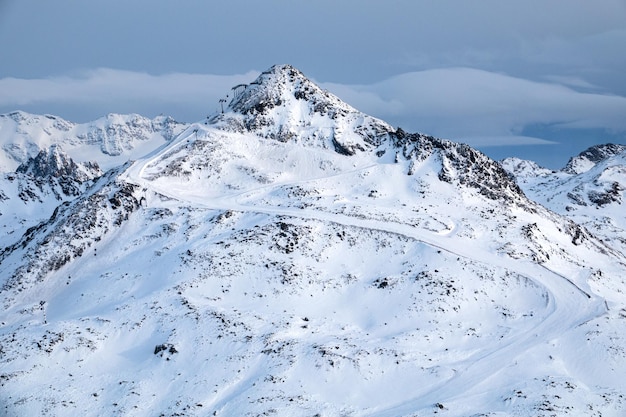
537,79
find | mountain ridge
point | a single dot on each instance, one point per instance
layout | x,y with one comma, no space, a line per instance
591,156
110,140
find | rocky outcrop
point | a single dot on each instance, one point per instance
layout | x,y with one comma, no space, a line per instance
72,229
463,165
54,163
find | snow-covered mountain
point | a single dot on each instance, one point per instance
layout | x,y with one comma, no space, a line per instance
109,141
589,158
294,256
30,195
284,105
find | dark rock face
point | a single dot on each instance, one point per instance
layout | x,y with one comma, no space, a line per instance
49,163
54,169
600,152
73,228
610,195
463,165
53,162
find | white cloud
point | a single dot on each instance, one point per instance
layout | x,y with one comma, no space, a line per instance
106,90
464,102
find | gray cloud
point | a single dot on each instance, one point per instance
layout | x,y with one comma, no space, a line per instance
491,72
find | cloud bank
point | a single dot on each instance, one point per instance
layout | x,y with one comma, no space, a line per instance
471,104
91,94
478,107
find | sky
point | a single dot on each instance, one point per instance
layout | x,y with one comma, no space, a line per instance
538,79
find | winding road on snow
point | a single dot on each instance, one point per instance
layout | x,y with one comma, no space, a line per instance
568,305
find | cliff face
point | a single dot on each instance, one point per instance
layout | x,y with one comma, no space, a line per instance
54,163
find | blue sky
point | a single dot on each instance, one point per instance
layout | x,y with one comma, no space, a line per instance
541,80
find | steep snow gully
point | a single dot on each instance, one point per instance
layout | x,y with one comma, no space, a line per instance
567,305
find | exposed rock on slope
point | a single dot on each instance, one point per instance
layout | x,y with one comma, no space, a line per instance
54,163
462,164
284,105
31,194
590,190
72,229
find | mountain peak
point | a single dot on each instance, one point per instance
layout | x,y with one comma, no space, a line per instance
591,156
272,88
522,168
53,162
283,104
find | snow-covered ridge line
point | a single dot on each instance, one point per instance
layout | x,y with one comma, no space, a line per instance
109,141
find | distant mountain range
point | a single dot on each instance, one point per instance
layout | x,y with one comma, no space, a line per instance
293,256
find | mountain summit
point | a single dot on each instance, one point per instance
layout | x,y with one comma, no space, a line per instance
284,105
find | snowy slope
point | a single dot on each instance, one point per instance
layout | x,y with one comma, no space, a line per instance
301,258
588,158
109,141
